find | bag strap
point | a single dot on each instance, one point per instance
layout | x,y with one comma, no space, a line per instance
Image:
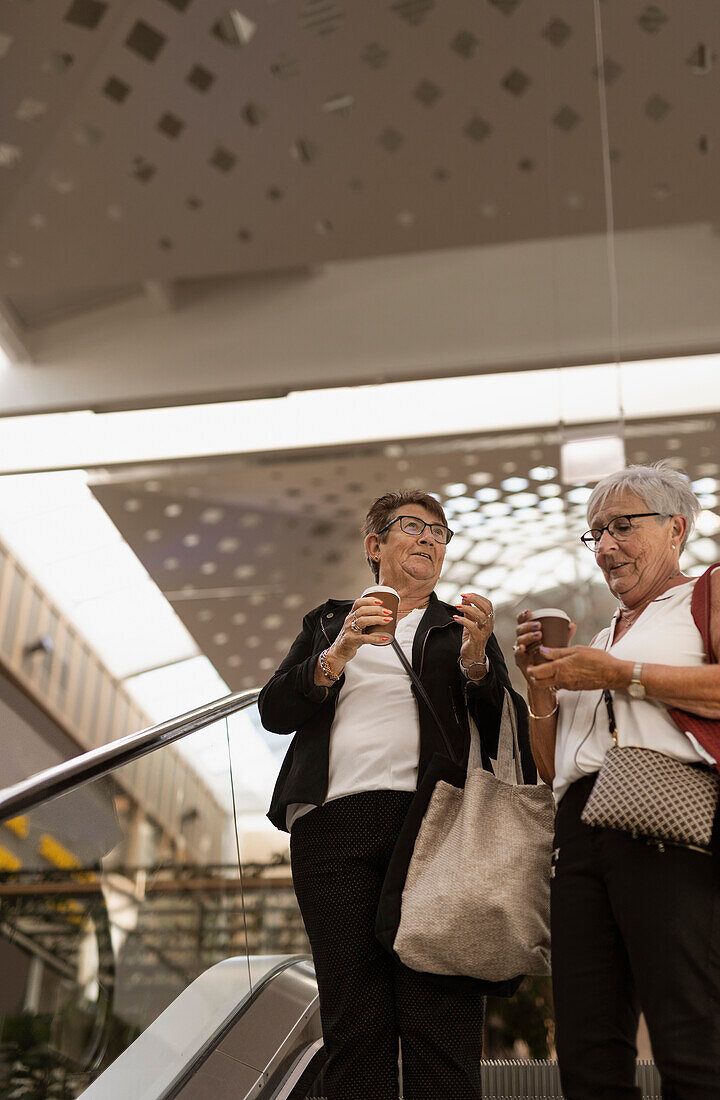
508,744
425,698
611,715
509,761
700,608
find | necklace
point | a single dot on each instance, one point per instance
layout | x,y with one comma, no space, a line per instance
418,607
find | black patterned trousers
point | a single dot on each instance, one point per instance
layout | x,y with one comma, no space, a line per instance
634,927
368,999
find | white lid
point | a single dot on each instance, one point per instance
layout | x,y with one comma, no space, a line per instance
550,612
380,588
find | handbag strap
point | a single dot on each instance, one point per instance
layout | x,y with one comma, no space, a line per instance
508,766
425,698
611,715
508,760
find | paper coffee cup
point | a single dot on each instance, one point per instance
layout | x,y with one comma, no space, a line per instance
555,626
389,599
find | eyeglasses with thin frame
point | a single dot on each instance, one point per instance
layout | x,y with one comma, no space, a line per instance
413,525
619,528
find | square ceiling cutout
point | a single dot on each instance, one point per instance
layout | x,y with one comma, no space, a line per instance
200,78
116,89
145,40
85,13
170,125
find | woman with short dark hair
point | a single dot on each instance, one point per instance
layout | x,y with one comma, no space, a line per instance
362,742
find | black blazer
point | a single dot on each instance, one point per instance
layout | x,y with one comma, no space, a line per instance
291,702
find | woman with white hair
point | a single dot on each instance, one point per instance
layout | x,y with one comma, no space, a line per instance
635,921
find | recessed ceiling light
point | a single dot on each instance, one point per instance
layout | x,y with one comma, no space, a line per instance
589,459
9,155
234,29
339,104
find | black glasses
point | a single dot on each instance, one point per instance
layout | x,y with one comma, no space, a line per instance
412,525
619,528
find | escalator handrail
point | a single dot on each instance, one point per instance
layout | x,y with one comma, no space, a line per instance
95,763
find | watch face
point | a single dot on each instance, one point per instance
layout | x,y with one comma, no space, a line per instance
637,691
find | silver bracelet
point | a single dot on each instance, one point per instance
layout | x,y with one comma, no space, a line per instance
326,671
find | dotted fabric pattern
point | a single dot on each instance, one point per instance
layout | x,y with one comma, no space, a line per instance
368,999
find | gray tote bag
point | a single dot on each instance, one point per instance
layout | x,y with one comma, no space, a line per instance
476,900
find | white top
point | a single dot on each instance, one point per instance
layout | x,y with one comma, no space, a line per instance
375,735
664,634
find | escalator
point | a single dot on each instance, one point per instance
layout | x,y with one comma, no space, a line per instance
245,1028
133,969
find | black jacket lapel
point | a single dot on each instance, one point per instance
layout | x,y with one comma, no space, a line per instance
436,614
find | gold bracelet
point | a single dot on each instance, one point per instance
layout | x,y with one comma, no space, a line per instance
539,717
326,670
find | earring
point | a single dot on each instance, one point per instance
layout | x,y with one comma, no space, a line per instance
673,546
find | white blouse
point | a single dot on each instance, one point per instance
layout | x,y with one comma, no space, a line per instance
665,634
375,735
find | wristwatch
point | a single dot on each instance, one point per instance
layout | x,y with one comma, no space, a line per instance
465,669
636,688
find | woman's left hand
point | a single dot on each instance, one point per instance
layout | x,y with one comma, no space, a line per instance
477,619
580,668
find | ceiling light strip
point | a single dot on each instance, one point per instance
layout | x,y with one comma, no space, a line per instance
478,404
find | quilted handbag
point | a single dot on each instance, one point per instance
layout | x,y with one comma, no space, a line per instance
649,794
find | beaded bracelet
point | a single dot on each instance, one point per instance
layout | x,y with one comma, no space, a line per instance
324,667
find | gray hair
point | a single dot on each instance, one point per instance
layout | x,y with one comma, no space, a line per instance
658,486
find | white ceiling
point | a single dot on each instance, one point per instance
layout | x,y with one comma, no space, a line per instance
136,145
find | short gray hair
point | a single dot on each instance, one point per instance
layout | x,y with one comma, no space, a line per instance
658,486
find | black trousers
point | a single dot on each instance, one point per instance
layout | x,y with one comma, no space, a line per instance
368,999
634,928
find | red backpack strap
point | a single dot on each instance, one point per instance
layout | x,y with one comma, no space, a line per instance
706,730
700,608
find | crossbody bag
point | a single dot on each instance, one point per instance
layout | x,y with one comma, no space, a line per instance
650,794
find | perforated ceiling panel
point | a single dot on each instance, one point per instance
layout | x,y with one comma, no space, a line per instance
244,547
175,139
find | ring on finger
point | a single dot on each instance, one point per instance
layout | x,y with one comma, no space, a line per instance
354,625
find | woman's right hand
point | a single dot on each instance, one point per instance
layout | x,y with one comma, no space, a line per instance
527,634
366,611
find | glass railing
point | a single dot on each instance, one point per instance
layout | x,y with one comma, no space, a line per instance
105,918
